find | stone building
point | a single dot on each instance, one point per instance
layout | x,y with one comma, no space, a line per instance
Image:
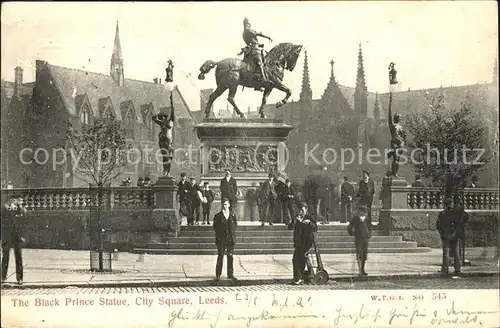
36,115
355,118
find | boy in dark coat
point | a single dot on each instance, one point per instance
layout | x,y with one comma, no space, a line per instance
303,227
360,227
225,238
208,198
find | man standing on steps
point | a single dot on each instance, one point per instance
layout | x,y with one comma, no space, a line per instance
346,195
195,200
208,198
288,200
225,238
270,194
229,190
183,193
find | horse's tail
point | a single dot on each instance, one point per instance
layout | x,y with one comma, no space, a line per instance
205,68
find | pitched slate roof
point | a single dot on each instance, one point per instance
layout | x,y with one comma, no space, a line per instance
74,83
415,100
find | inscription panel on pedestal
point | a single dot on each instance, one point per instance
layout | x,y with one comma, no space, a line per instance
260,158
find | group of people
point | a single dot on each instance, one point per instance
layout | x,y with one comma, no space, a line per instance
192,197
304,226
194,200
450,226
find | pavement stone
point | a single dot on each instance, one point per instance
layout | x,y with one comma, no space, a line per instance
61,267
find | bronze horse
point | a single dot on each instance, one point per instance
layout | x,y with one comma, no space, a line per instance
231,72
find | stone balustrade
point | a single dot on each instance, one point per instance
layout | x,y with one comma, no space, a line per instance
404,197
412,212
74,199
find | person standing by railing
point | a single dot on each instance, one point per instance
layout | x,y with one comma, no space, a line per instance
450,226
13,220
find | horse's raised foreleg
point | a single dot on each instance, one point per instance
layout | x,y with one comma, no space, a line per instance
230,98
267,91
214,95
285,89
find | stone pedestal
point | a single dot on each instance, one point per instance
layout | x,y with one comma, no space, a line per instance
391,200
249,148
165,216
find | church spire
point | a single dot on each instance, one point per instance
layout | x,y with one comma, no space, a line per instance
306,92
360,93
116,65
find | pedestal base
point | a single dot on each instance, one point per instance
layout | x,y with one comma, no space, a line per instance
249,148
164,218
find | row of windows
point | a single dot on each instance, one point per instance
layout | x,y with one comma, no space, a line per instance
129,122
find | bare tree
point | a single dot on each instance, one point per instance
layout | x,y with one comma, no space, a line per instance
100,151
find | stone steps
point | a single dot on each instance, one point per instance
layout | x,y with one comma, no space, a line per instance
276,239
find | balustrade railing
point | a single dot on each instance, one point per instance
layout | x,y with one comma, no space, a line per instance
40,199
432,198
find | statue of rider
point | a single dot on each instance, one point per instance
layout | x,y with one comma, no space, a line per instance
254,49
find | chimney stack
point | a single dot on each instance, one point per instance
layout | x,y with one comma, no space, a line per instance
159,80
18,80
39,65
155,80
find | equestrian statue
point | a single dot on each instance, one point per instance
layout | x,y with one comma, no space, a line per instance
256,70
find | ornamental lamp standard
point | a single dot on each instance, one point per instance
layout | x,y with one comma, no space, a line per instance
169,78
393,82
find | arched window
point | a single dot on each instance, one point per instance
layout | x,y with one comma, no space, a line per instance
85,115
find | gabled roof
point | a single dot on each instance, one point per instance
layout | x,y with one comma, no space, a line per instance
100,86
415,100
80,101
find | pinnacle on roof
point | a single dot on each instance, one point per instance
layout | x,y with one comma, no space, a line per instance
360,77
332,76
332,86
306,92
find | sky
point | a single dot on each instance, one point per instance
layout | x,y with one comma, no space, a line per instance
432,43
